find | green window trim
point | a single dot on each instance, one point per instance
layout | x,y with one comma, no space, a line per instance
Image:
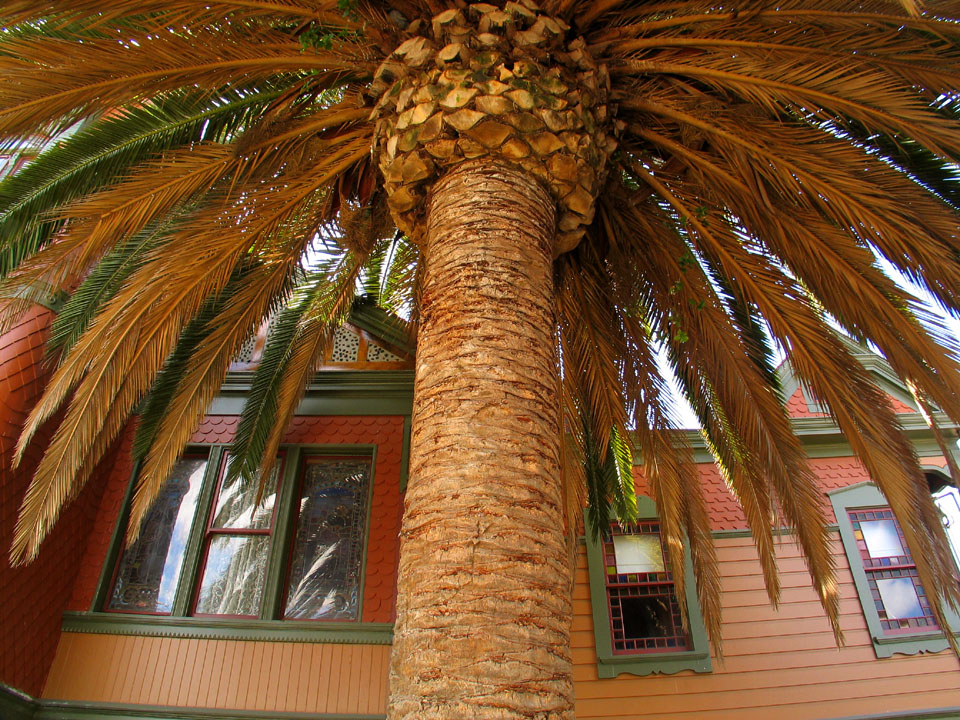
610,665
208,628
270,626
867,495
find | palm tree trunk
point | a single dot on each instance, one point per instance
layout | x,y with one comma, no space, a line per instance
484,592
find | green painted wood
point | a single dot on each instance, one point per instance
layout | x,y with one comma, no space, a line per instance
276,564
950,713
205,628
189,570
341,392
16,705
610,665
868,495
71,710
105,583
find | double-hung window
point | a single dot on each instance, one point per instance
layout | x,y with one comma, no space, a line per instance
215,548
638,624
895,605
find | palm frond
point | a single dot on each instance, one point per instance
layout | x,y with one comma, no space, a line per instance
107,149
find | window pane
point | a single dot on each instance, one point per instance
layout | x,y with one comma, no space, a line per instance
899,598
233,577
638,554
148,570
881,538
236,503
328,548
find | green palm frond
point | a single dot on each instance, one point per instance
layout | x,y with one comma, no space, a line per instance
103,151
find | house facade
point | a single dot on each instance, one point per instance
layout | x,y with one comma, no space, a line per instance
226,608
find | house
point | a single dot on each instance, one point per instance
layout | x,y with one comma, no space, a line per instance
225,610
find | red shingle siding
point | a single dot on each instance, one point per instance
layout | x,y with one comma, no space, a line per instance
726,514
385,432
34,596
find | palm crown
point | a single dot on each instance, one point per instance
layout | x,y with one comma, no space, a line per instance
722,176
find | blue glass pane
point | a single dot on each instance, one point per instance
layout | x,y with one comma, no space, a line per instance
899,598
149,569
882,538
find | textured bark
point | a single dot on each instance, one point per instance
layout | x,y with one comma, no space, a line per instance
483,593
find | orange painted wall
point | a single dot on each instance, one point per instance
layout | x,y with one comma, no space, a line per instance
32,598
778,663
230,674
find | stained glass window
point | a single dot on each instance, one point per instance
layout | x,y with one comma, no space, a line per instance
148,570
645,616
224,551
897,594
327,554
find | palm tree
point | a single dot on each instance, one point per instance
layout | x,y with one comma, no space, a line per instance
576,184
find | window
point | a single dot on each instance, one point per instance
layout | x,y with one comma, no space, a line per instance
209,549
638,625
895,604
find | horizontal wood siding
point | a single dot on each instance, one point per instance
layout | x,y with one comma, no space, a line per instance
778,663
226,674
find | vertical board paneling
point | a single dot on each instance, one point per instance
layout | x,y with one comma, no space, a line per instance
303,677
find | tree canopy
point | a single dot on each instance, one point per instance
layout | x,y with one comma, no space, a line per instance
726,178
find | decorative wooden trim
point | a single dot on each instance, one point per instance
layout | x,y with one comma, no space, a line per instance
867,494
333,392
207,628
72,710
16,705
610,665
822,438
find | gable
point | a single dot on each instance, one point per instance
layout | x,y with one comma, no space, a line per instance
370,339
801,403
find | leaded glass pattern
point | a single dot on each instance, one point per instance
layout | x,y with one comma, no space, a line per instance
148,570
645,616
892,577
327,554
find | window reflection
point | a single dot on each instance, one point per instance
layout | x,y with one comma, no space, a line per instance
148,570
899,598
234,575
328,548
237,546
882,538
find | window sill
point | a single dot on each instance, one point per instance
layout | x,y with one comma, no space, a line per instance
609,666
932,642
305,631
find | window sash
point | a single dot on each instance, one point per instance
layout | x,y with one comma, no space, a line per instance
890,567
623,589
283,524
214,535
